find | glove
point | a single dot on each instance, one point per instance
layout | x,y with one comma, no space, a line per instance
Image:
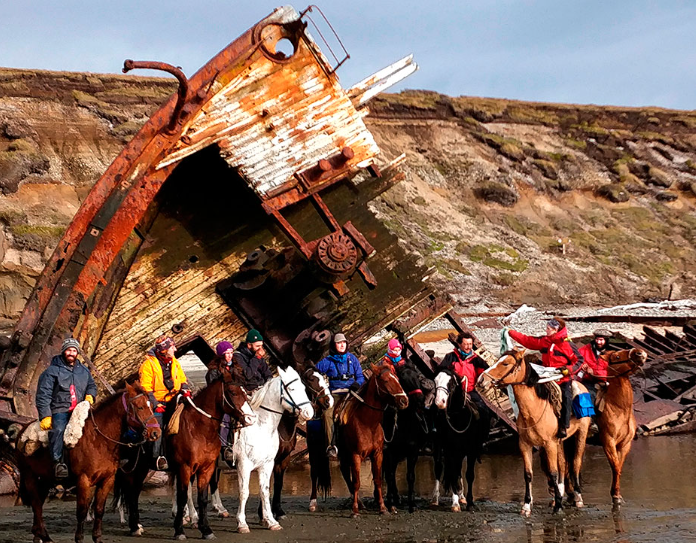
354,387
160,408
185,392
90,399
565,371
46,423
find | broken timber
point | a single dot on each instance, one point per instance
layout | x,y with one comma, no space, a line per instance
241,202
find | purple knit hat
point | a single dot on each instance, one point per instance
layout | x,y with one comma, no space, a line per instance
223,346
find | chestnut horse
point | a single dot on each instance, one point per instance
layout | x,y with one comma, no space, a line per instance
359,431
616,422
537,426
93,461
192,451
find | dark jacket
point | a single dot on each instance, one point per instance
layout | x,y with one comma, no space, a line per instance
255,372
215,369
342,370
53,391
557,351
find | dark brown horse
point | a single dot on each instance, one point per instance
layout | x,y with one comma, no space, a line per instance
616,421
359,430
93,461
192,451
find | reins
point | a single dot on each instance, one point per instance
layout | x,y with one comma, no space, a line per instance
146,424
446,390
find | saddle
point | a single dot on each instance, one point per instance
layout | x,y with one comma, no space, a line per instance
555,397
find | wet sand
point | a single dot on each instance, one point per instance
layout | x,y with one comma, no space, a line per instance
657,484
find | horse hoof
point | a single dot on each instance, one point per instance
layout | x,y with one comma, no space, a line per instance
383,511
209,536
275,527
434,503
617,500
355,515
180,537
526,510
243,529
462,500
137,533
411,509
224,514
471,507
456,508
558,511
579,504
312,506
393,509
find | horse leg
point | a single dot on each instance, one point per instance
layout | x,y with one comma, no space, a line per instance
243,476
437,468
35,493
376,463
313,496
619,453
526,451
204,475
556,458
411,460
84,499
278,476
580,441
215,498
264,492
470,475
99,505
354,487
182,486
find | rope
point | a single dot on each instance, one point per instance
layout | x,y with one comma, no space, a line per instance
91,414
396,419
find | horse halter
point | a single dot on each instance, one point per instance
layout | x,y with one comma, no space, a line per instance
226,402
131,417
318,394
515,366
289,399
380,391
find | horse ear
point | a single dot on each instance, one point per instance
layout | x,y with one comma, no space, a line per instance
374,368
129,388
281,371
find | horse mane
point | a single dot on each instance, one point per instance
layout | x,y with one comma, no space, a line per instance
531,379
260,394
409,377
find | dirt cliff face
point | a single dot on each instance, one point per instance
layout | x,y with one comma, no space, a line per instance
491,187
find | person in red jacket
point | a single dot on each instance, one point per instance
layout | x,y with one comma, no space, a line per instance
557,351
467,365
595,367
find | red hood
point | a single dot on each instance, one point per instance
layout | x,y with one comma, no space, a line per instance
560,336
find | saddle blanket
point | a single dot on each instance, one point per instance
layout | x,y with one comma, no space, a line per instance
34,438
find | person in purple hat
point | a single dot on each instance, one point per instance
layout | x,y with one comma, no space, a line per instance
222,362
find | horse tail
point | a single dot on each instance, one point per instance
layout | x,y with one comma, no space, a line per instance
119,501
318,461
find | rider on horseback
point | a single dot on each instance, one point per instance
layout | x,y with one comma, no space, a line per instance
468,366
249,356
594,370
344,373
557,351
64,384
161,375
222,362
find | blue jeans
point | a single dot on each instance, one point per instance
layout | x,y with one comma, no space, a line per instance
55,436
157,445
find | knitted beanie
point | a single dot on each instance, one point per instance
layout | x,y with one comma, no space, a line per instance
253,336
222,347
70,342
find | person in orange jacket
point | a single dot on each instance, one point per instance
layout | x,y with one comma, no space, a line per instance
557,351
162,376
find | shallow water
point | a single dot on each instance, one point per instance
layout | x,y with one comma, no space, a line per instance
657,484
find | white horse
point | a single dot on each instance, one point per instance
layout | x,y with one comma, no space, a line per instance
257,445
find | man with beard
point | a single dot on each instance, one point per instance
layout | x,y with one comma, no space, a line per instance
249,357
64,384
594,370
468,366
162,376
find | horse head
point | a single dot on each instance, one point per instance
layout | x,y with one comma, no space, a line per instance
625,362
388,384
293,394
446,382
318,386
410,380
511,368
236,401
139,411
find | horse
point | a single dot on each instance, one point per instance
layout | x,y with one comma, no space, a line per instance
408,435
617,422
192,451
360,434
461,431
256,446
93,461
317,387
537,426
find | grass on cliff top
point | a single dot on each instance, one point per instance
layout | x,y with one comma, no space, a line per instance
491,256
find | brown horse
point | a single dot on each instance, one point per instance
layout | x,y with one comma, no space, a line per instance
616,422
359,430
193,450
537,426
93,461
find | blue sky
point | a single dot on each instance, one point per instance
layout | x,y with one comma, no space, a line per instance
633,53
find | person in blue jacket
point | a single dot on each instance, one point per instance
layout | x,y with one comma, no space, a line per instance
64,384
344,373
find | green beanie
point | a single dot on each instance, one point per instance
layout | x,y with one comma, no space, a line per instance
253,336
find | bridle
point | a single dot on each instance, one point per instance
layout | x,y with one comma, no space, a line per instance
381,393
318,394
517,365
284,389
131,417
446,390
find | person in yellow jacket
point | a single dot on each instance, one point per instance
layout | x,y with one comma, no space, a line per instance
162,376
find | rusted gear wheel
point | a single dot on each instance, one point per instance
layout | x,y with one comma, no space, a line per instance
337,254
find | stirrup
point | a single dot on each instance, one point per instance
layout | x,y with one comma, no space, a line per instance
61,471
228,454
161,464
332,451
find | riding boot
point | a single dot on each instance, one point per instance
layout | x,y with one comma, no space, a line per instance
566,405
